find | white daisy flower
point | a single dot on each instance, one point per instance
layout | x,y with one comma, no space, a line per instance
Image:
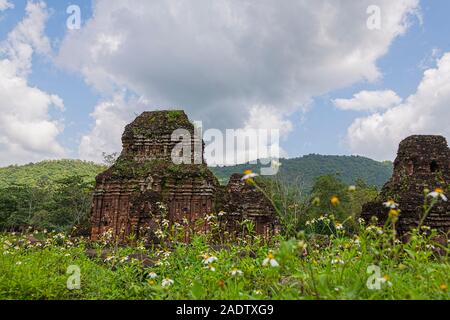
270,260
167,282
391,204
209,259
249,175
438,193
236,272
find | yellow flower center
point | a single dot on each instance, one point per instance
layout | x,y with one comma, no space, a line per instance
439,190
270,256
246,172
335,201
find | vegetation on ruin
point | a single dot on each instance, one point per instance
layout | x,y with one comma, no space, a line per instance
152,124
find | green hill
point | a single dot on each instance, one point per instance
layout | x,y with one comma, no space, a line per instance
50,171
305,169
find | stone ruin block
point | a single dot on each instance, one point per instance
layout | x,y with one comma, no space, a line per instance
422,163
145,186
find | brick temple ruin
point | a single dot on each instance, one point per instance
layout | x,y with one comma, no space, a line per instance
423,162
145,186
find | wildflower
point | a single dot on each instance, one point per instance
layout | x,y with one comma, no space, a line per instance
236,272
221,213
335,201
443,287
167,282
165,223
391,204
151,282
152,275
394,213
211,268
209,259
339,226
110,258
438,193
248,176
270,260
160,234
352,188
124,259
18,263
337,261
257,292
385,280
162,263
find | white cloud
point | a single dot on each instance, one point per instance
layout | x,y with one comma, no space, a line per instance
218,59
110,119
5,5
369,101
425,112
26,129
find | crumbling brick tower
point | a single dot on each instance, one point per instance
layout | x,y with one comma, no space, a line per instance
145,186
130,197
423,162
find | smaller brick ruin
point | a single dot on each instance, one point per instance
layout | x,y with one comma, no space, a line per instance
144,187
423,162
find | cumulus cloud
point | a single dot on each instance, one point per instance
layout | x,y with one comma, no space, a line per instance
369,101
110,118
5,5
424,112
27,132
218,59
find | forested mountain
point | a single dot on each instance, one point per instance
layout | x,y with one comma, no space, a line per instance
305,170
48,172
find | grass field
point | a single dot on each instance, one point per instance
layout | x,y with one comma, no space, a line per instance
367,263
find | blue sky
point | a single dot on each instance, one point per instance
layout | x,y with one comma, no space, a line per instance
318,125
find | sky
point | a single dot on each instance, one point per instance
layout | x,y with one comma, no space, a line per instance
334,77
